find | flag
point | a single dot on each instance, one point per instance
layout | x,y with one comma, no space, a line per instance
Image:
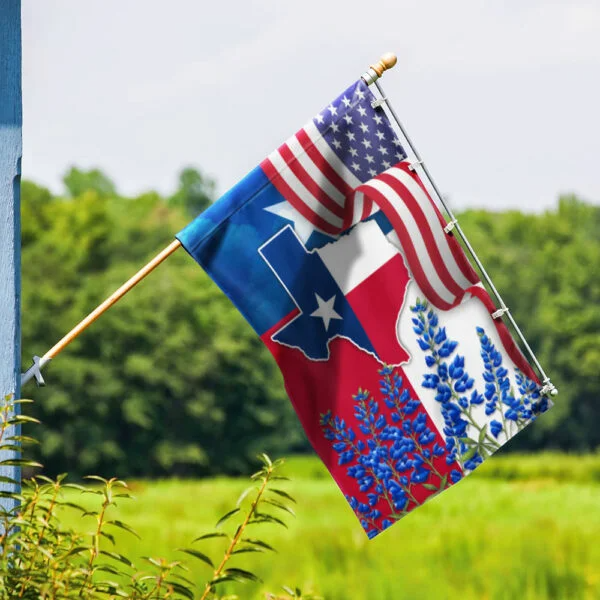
336,254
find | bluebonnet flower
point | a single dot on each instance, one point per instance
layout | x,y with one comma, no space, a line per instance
495,427
397,451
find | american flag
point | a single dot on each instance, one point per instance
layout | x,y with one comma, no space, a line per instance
318,169
345,165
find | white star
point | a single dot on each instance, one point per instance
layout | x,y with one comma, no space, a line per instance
335,127
380,135
396,142
378,119
353,151
346,101
360,94
350,136
332,109
399,156
366,143
372,172
348,119
383,150
326,310
364,128
302,226
386,164
355,166
337,144
369,158
362,110
320,119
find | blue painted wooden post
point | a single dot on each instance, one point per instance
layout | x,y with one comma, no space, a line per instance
10,224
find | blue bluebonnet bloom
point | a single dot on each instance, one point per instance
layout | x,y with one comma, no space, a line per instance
456,393
396,455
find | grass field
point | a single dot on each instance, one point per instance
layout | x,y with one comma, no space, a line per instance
518,528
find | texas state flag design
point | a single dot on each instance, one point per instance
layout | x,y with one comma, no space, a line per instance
335,253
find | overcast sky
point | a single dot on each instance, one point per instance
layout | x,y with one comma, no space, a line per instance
501,98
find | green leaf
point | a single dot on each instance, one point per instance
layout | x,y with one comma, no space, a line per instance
207,536
279,505
282,493
430,486
265,518
250,549
227,516
260,543
181,589
199,555
244,495
20,462
117,556
124,526
265,459
482,433
241,575
469,454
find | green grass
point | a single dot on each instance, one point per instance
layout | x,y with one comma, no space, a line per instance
521,527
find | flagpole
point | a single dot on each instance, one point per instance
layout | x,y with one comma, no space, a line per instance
39,363
547,386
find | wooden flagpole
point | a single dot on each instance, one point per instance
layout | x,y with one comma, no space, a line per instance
34,371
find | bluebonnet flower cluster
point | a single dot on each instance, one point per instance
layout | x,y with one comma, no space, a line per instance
394,457
457,395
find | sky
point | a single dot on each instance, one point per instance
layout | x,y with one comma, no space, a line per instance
500,98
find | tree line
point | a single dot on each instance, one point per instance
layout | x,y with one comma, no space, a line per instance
172,380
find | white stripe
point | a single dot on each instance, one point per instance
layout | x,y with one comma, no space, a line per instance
332,158
434,225
296,185
314,172
416,238
358,207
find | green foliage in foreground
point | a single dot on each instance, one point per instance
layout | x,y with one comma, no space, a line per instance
531,537
41,558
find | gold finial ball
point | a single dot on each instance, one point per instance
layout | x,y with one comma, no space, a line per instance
387,61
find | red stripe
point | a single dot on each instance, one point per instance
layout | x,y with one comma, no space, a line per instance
286,191
308,182
367,207
349,211
425,229
409,250
322,163
459,256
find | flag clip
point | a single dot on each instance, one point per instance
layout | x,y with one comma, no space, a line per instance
35,371
548,389
499,312
378,102
413,165
450,226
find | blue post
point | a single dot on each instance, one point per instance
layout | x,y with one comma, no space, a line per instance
10,225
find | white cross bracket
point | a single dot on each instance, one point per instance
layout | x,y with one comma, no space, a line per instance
35,371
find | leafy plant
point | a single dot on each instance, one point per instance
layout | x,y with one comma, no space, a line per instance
42,559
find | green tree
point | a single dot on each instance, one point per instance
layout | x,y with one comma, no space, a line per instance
195,193
78,182
171,380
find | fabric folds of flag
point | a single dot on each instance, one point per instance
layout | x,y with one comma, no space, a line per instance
336,254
